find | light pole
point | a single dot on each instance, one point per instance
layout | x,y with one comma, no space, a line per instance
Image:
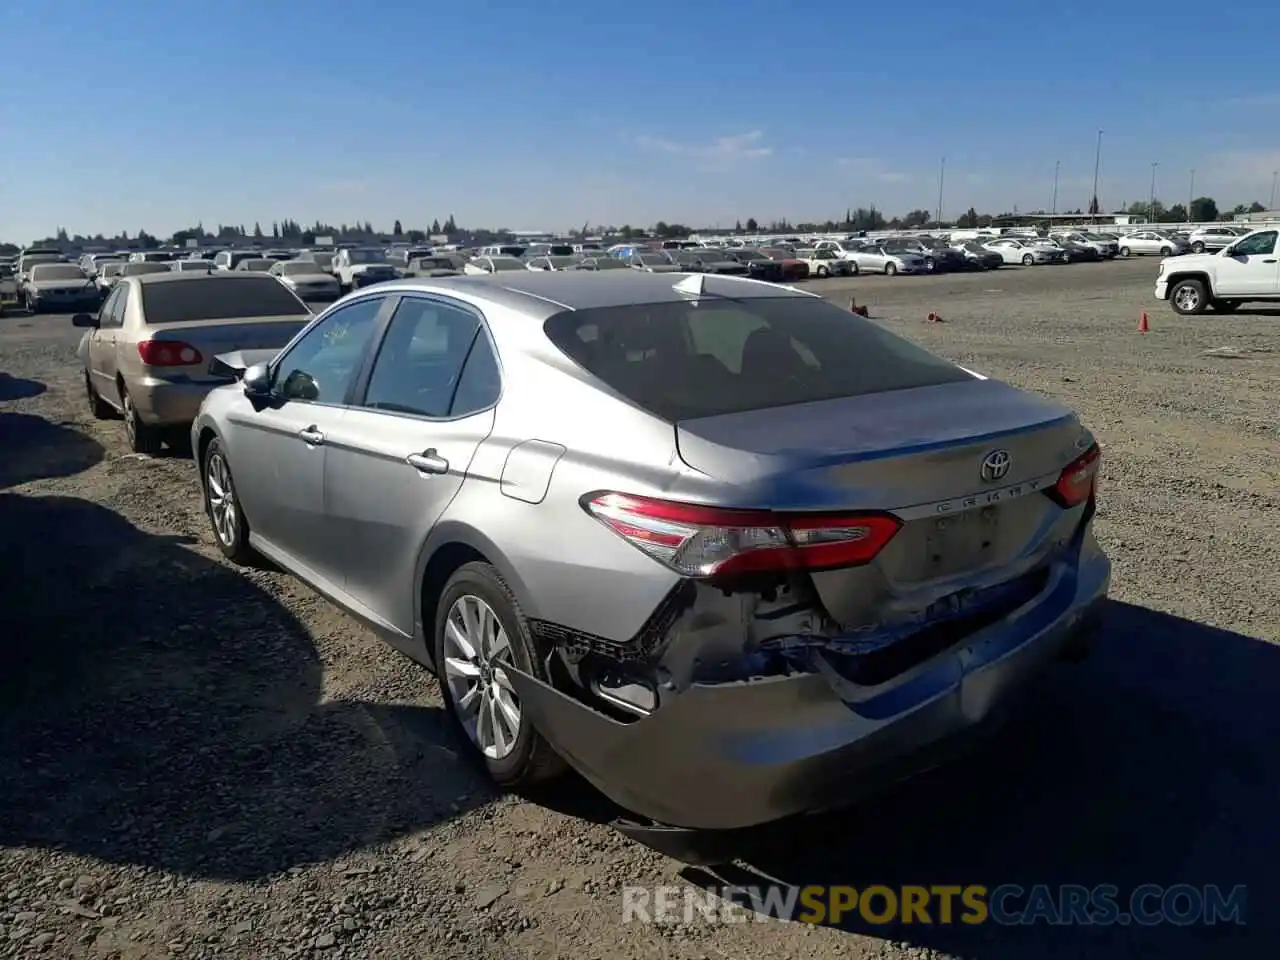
1191,192
942,174
1097,163
1057,165
1272,204
1151,205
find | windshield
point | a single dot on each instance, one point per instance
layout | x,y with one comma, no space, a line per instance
219,297
603,263
112,269
56,271
324,259
749,255
296,269
513,251
140,268
684,360
368,256
256,266
560,262
653,260
974,247
194,265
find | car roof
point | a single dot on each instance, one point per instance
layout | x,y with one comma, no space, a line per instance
174,276
545,293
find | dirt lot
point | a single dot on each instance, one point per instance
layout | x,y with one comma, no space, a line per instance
197,761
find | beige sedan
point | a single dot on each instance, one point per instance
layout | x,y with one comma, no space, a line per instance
147,353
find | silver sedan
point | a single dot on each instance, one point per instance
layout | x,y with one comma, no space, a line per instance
877,259
725,548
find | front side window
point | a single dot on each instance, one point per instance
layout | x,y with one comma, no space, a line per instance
322,365
1259,244
420,361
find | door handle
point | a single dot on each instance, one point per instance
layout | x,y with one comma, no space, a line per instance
1272,260
311,436
428,462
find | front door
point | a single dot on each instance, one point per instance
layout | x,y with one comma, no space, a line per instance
1249,268
280,446
400,455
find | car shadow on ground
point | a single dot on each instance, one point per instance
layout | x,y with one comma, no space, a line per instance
1154,762
33,448
159,709
17,388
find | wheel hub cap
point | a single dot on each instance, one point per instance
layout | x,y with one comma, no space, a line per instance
476,654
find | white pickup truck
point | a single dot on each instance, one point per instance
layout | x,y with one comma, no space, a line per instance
1248,269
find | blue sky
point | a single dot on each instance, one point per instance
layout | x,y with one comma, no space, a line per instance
542,116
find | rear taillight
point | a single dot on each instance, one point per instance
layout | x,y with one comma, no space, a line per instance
710,542
168,353
1078,480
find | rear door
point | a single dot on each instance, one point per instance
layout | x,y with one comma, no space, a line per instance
402,451
103,345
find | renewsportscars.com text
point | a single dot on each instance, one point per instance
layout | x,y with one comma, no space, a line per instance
941,904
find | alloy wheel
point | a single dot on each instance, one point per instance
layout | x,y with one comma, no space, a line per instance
1186,298
476,653
222,500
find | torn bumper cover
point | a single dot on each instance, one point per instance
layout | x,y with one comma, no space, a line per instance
740,754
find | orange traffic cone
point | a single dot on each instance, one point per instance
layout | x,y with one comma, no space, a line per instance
1143,326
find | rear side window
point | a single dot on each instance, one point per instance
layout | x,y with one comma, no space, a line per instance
680,361
219,298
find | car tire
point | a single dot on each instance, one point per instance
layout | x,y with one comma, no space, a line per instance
890,269
1125,252
1166,251
1227,306
100,409
822,273
1197,247
1028,260
477,587
222,507
143,438
1188,298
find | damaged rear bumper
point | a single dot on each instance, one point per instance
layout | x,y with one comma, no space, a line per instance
740,754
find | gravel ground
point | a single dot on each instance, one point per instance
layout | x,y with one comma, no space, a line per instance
203,762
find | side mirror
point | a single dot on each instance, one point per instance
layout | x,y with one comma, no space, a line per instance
84,320
257,380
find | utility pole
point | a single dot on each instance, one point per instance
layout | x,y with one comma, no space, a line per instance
1097,163
942,175
1151,205
1191,192
1272,204
1057,165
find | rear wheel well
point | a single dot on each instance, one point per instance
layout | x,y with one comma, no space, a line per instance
442,565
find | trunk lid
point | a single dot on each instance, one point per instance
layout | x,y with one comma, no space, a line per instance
918,454
214,337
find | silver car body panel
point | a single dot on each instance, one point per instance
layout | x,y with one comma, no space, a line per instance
764,689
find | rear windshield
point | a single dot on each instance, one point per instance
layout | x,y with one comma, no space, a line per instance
56,271
685,360
219,298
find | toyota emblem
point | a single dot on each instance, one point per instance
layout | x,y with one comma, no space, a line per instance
995,465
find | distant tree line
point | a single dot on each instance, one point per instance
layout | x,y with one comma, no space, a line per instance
292,233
